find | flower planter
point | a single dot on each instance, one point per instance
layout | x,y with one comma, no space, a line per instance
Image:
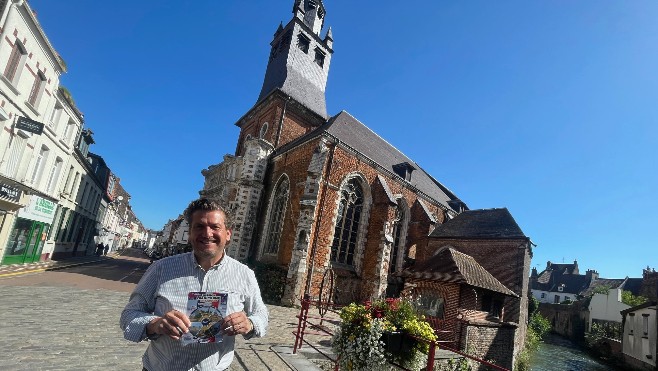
392,341
397,342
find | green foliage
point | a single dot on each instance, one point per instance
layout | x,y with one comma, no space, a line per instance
538,327
628,298
603,330
358,341
533,306
271,280
601,290
460,364
67,94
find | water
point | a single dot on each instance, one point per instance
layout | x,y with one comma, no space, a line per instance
557,353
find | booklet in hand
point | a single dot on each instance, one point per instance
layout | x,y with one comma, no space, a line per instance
206,311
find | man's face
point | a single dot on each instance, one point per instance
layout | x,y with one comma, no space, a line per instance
209,235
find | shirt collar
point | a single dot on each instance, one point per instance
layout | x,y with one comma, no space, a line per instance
216,266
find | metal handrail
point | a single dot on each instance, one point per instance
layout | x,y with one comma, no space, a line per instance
433,345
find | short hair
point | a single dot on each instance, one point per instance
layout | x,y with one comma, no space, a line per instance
204,204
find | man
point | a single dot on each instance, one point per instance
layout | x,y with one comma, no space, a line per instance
156,310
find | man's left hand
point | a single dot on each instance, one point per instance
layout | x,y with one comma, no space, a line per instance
237,323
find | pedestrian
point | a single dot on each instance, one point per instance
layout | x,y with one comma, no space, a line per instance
99,249
156,310
106,248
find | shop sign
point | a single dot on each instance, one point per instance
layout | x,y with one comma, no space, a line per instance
39,209
27,124
9,193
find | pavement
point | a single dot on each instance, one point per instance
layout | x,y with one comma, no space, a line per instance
66,328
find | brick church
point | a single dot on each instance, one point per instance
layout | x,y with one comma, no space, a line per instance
310,192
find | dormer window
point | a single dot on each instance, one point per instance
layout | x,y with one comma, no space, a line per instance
560,288
404,170
319,57
303,43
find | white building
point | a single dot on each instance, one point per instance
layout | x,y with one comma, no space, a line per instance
639,344
39,128
606,307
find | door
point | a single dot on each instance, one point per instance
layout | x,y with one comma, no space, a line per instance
25,242
37,239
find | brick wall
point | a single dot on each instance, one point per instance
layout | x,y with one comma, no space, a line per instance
490,343
508,260
318,195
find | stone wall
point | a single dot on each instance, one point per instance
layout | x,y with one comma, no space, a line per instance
567,320
490,343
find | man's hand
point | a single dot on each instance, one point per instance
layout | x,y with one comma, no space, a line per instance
237,323
173,324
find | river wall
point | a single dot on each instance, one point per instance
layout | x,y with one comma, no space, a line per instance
567,320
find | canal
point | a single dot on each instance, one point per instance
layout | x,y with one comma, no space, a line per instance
557,353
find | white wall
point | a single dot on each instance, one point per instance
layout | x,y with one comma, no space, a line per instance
606,307
635,343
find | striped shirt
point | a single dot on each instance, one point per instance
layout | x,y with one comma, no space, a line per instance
165,286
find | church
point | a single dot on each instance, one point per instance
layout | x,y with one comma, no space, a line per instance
311,192
346,217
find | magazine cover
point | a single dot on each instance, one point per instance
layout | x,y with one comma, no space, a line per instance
206,311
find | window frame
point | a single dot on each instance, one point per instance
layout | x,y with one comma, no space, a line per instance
276,217
16,58
303,43
351,207
38,87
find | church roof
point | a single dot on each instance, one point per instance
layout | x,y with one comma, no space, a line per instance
358,137
450,265
485,223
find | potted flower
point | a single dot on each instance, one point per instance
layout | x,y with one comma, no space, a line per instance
373,334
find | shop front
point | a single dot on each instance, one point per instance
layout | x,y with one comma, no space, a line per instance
29,231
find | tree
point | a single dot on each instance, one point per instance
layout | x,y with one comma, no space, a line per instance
628,298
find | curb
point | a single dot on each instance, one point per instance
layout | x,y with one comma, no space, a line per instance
52,267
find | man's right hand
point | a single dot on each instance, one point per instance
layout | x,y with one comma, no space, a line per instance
173,324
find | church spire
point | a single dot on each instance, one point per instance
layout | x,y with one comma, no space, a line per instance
311,12
299,59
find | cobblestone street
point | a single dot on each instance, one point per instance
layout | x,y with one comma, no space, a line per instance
64,328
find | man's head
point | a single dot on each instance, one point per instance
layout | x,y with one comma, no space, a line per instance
209,230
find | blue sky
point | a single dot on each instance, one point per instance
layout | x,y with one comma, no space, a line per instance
548,108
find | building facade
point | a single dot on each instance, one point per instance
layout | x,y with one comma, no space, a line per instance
52,200
311,193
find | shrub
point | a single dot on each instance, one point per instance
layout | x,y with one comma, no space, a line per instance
271,280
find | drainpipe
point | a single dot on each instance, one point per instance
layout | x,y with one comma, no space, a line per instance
283,116
318,219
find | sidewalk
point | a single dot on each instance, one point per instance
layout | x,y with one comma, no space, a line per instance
272,352
16,269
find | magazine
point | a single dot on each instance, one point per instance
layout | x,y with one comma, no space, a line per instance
206,311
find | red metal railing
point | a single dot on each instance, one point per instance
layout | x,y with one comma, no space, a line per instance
303,322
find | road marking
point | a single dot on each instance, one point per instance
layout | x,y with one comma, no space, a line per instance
22,272
129,274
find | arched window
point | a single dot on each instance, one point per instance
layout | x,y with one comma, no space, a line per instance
397,247
348,218
263,131
277,213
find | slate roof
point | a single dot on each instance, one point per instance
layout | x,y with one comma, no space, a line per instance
357,136
485,223
450,265
633,285
564,268
611,283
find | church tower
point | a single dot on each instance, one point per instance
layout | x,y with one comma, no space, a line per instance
299,58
